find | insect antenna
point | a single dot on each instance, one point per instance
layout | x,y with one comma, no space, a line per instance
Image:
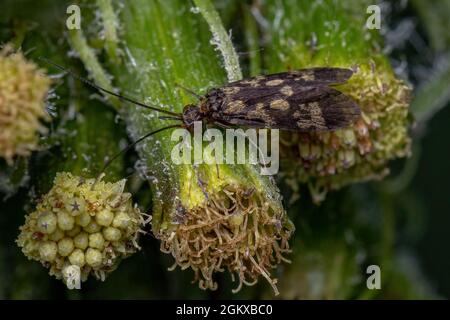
124,150
179,118
93,85
188,90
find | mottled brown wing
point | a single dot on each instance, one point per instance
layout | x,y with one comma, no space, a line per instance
318,108
310,76
288,104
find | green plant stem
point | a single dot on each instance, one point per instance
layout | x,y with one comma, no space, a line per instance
87,55
110,29
221,39
252,38
85,144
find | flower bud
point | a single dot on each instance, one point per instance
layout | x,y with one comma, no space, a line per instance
111,234
77,258
96,240
48,251
93,257
83,219
104,218
65,221
65,246
23,88
46,223
77,240
81,240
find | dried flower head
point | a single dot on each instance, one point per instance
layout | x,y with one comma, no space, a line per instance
331,160
81,227
23,88
235,230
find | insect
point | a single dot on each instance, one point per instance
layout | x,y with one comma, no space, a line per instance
300,100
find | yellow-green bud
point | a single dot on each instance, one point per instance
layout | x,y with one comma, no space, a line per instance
48,251
74,231
83,219
65,246
65,221
92,227
75,206
112,234
77,258
46,222
121,220
96,240
104,218
93,257
81,240
57,235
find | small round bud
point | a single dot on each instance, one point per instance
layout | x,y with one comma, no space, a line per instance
57,235
77,258
75,206
112,234
65,247
74,231
81,240
121,220
65,221
96,240
83,219
104,218
46,222
92,227
94,257
48,251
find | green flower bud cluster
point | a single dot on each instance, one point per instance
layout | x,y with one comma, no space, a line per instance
330,160
81,227
23,88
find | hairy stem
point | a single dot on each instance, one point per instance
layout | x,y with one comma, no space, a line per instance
221,39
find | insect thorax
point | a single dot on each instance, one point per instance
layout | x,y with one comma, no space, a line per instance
212,102
209,105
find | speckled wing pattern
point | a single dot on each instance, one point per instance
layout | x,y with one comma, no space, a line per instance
300,100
